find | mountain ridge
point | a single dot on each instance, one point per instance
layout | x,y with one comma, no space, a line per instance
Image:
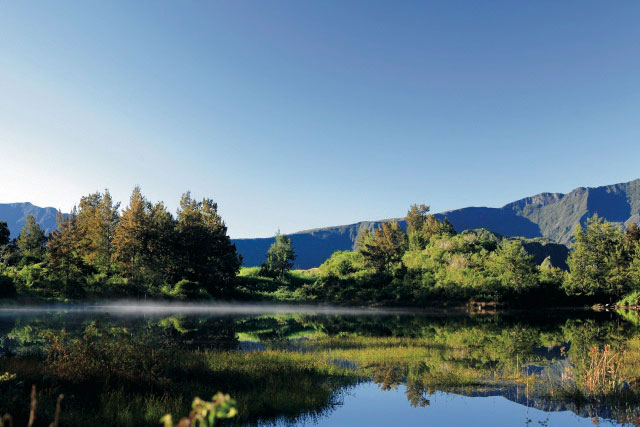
550,216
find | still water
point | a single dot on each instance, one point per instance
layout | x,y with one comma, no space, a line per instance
130,364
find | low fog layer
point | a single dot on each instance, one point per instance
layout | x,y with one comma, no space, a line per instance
222,309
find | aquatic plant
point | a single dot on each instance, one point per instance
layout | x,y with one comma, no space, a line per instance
603,375
205,414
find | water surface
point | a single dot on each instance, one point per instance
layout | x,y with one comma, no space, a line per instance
290,365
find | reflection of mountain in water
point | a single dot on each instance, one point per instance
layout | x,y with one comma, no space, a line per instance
550,378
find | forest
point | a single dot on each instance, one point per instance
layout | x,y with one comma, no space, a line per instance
143,251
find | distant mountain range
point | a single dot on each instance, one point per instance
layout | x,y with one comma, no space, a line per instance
14,214
548,215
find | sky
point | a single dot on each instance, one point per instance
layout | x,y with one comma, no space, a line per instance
301,114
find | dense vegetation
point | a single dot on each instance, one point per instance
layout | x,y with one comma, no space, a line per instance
96,251
430,263
145,251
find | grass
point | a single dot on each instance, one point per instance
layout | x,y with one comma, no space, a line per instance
251,285
135,376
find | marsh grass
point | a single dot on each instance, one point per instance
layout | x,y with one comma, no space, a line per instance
299,368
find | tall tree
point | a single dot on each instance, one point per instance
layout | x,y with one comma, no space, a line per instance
62,251
632,237
130,237
97,220
421,226
5,238
280,257
416,217
206,254
161,239
384,247
598,264
31,239
5,234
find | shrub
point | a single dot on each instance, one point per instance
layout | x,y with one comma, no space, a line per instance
186,289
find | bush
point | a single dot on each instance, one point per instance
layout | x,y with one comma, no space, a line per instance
186,289
31,276
342,264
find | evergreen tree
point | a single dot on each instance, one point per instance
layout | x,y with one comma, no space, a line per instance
421,227
632,235
384,247
5,234
598,263
161,238
31,239
97,219
206,254
130,237
416,217
5,239
280,257
65,262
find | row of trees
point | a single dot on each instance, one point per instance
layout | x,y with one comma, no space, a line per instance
430,262
143,249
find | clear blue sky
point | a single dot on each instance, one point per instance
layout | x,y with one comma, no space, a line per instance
303,114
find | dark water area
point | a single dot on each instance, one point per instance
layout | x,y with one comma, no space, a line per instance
127,364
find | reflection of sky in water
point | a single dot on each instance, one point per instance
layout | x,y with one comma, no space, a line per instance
260,327
367,405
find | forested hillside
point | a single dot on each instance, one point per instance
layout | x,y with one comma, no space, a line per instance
548,215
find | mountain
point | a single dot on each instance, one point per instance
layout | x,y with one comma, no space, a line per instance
14,215
550,216
539,219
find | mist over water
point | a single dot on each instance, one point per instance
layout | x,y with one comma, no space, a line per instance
126,307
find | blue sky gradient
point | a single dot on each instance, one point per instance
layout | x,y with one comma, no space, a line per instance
296,115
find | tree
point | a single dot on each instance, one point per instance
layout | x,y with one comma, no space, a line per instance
97,219
280,257
384,247
416,217
598,264
31,239
65,262
632,235
206,254
513,266
421,226
161,238
129,241
5,234
5,238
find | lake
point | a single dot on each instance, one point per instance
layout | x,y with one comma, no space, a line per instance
127,364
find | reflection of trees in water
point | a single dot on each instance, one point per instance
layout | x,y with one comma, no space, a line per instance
199,333
472,356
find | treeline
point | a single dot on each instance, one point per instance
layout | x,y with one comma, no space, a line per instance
431,264
144,251
97,251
